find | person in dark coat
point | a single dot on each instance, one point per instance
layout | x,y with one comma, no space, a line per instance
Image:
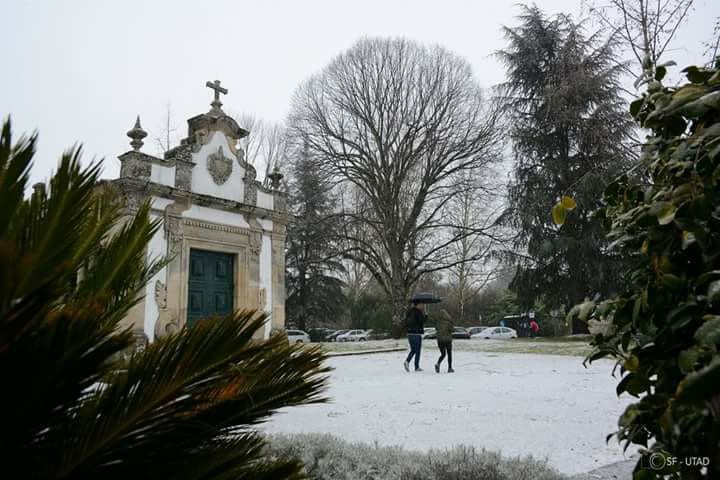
444,326
415,324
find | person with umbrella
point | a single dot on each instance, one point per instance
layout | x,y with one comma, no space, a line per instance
415,324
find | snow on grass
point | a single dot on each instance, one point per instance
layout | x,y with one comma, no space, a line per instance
549,406
553,346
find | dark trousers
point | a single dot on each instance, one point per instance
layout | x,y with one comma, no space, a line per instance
445,349
415,341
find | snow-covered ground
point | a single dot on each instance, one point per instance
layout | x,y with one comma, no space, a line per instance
549,406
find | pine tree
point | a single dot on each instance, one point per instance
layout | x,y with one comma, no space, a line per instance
315,293
570,132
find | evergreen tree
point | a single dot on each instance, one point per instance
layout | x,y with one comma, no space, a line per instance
313,281
570,133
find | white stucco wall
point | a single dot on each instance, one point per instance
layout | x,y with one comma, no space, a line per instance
163,175
159,203
156,248
266,276
216,216
202,182
264,200
266,225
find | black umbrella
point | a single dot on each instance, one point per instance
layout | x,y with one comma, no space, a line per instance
425,298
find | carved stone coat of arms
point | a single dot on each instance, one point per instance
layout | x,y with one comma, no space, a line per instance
219,166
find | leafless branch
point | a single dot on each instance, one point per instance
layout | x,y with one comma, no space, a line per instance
397,121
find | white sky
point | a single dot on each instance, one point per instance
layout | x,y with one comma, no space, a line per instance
80,71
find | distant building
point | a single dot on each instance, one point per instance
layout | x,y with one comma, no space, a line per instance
224,231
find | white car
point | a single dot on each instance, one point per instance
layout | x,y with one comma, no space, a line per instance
473,330
497,333
298,336
430,332
354,336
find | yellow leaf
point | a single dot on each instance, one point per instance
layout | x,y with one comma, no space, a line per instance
666,213
558,214
568,203
632,364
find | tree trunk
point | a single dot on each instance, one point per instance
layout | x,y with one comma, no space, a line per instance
399,307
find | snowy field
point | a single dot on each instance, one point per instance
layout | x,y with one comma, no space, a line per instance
549,406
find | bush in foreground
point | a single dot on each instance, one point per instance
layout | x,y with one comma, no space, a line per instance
664,331
71,267
329,458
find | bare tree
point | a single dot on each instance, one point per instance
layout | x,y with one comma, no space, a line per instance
252,142
166,139
473,210
266,146
712,47
274,148
397,120
646,27
356,276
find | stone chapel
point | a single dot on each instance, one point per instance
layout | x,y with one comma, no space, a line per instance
223,230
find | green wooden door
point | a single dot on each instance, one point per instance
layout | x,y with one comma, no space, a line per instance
210,289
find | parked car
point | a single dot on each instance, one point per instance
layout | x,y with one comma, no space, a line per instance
297,336
318,334
500,333
333,336
460,332
354,336
375,335
430,333
473,330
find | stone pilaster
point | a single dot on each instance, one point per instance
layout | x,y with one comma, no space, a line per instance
251,185
182,157
278,279
135,165
279,201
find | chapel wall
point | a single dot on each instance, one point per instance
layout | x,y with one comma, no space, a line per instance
206,197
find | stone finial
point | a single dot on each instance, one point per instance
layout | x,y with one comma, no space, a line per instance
275,178
216,103
137,134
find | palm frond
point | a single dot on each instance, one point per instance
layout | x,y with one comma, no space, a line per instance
72,264
188,389
15,163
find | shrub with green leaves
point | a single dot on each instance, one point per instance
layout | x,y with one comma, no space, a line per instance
665,331
71,267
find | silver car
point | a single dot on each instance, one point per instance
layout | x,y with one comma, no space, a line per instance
496,333
298,336
354,336
473,330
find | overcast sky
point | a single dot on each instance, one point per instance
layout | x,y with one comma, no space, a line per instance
80,71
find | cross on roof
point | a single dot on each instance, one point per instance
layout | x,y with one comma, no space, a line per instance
218,90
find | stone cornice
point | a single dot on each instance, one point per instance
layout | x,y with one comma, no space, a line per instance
193,222
164,191
144,157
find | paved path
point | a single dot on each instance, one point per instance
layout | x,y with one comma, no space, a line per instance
615,471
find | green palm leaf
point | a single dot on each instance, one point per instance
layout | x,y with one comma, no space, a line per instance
185,390
71,266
